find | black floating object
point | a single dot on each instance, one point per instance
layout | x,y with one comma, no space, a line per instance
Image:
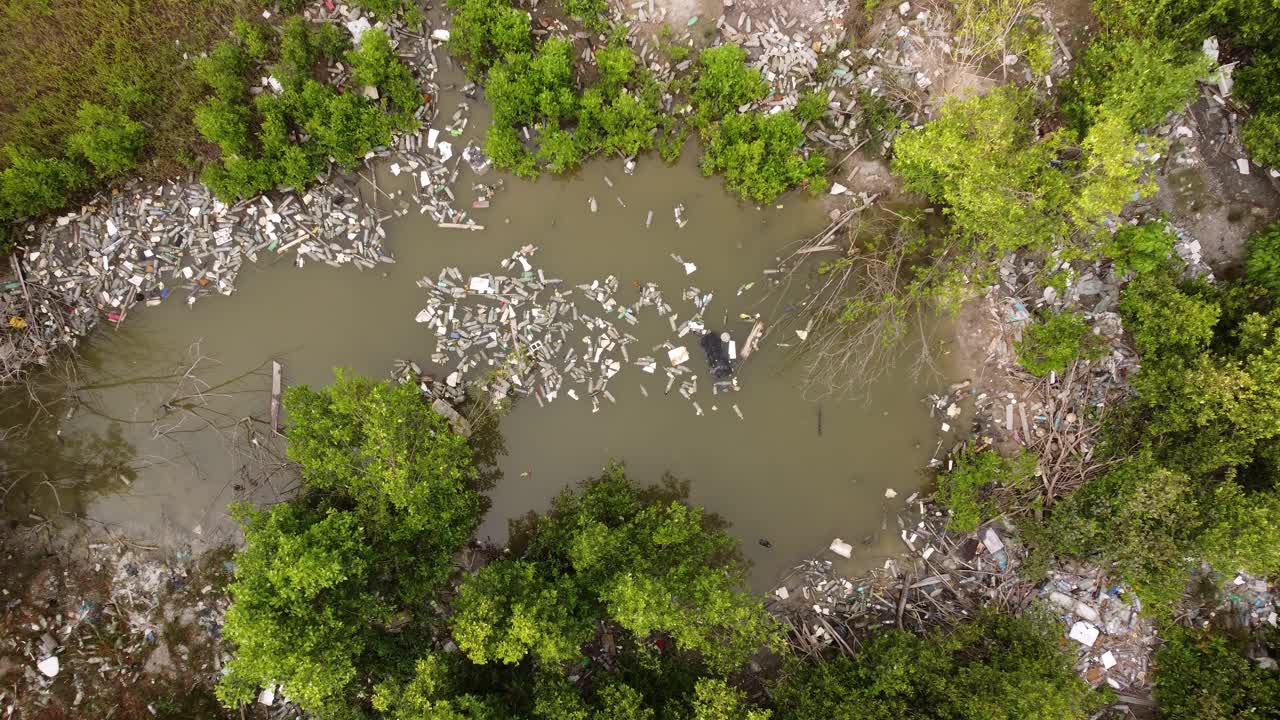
717,355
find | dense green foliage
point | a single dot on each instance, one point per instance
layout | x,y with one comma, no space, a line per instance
1006,189
1249,31
653,565
758,154
997,667
1054,340
108,139
631,582
1141,248
969,490
286,138
1263,261
1138,80
544,119
486,31
1196,448
725,83
592,13
1201,675
94,89
324,579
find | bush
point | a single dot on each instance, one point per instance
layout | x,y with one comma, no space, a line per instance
1140,249
637,571
1137,80
226,123
504,146
647,563
592,13
969,490
486,31
256,40
1055,340
1194,450
1201,675
1263,261
32,184
305,123
224,70
1006,189
811,107
759,156
995,667
108,139
1261,136
724,83
302,607
383,9
327,581
375,63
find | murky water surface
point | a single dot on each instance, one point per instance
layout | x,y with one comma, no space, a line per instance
160,456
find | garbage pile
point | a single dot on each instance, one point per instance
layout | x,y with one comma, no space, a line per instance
1113,640
943,577
142,243
1245,602
91,629
522,332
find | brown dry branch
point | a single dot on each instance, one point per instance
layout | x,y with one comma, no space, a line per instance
865,302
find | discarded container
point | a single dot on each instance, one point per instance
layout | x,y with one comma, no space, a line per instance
717,355
841,548
49,666
678,355
1084,633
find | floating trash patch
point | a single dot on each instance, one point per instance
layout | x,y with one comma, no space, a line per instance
522,332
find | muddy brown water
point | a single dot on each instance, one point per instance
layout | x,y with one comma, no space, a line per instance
127,462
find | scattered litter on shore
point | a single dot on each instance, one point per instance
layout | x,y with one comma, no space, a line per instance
943,577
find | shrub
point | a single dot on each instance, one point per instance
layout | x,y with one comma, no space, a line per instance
592,13
759,156
610,551
1261,136
811,107
108,139
968,490
226,123
237,178
995,667
1140,249
1055,340
1194,449
297,54
256,40
301,607
1263,261
1201,675
486,31
375,63
224,70
327,581
32,184
383,9
724,83
504,147
1136,80
1006,189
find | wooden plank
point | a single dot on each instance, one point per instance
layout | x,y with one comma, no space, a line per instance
276,369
